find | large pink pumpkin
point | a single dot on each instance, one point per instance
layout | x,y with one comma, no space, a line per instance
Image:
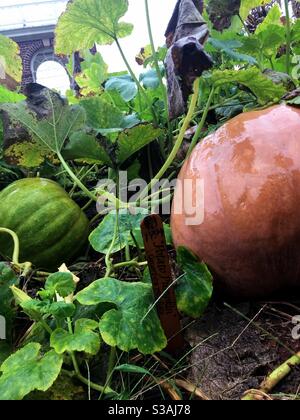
250,236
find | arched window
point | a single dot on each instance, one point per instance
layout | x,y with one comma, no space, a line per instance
52,74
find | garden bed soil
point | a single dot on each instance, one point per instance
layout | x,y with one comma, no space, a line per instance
241,345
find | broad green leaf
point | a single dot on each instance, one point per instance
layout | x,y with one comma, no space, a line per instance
271,39
115,99
294,101
101,115
273,18
132,140
129,326
147,276
6,96
124,85
61,310
85,147
265,43
248,5
28,154
10,60
229,48
52,130
262,87
251,45
101,237
194,289
36,309
87,22
93,75
133,171
150,79
141,104
84,339
296,31
60,283
27,370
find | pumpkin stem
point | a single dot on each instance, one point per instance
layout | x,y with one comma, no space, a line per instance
179,141
14,236
16,251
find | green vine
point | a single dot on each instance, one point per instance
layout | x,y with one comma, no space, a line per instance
16,251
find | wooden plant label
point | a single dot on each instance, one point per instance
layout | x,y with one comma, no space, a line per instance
161,274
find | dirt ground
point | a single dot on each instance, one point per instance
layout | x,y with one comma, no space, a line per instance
237,346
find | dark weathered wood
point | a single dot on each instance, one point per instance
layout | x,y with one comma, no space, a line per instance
162,279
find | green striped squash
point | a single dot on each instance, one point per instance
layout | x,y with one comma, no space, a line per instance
51,227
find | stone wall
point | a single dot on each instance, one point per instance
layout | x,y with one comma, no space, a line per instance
35,52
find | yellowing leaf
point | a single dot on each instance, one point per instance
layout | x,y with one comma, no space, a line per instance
84,339
10,60
130,326
194,288
27,370
273,18
248,5
262,87
87,22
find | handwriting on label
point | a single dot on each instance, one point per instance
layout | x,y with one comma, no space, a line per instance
162,279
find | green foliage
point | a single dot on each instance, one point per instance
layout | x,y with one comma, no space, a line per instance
53,130
195,287
36,309
220,13
87,22
150,79
124,85
130,326
104,117
83,339
60,283
86,147
248,5
230,47
6,96
11,61
273,18
263,88
94,73
265,43
28,370
8,278
128,224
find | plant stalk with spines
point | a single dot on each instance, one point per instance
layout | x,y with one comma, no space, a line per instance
156,63
178,142
202,122
288,36
110,197
137,82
